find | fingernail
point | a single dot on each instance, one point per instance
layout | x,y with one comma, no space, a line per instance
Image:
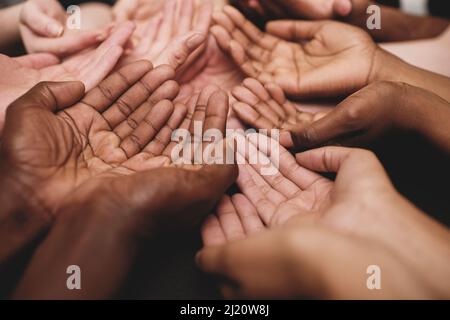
195,40
55,29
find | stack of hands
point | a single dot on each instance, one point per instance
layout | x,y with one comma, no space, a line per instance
86,153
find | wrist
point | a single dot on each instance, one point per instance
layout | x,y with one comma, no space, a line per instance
387,67
22,218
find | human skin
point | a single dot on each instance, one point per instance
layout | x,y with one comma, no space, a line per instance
10,18
43,29
315,64
396,25
316,237
362,119
67,141
358,120
21,74
428,54
134,199
118,129
172,36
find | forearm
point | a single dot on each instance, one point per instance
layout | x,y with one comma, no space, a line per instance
20,222
387,67
399,26
429,54
429,116
86,239
9,23
419,111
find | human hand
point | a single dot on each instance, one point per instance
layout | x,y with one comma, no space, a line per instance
136,9
301,70
266,107
43,29
361,118
352,226
309,9
52,151
90,67
133,206
172,37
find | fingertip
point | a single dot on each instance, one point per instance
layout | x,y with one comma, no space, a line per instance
195,40
343,7
54,29
165,105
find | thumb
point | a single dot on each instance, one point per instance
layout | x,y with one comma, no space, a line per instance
294,30
37,60
181,199
342,8
179,50
309,262
345,125
41,23
49,96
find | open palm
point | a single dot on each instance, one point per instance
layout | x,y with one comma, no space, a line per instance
21,74
267,201
303,67
107,133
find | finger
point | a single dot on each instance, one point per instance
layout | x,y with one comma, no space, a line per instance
279,97
212,233
148,128
145,83
276,111
148,37
162,139
41,23
109,90
123,10
331,159
185,14
193,206
167,91
257,192
155,86
286,164
246,95
95,72
276,180
225,28
185,124
180,49
198,117
354,167
294,30
229,220
37,60
251,116
67,44
48,96
165,31
314,249
334,126
222,37
250,30
250,67
119,35
204,17
248,215
217,112
342,7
